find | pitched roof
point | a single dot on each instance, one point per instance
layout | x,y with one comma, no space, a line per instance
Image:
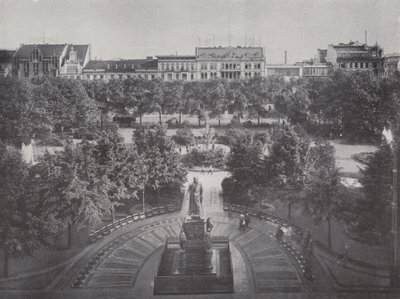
229,52
47,50
81,51
125,65
6,56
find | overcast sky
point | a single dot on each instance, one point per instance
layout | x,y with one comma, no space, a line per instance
139,28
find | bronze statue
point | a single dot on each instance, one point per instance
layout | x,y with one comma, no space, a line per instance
195,192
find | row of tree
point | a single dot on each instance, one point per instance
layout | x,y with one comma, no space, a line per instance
303,172
79,185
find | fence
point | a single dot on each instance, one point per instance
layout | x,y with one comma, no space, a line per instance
107,229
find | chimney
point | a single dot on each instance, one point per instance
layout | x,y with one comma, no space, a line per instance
285,57
366,35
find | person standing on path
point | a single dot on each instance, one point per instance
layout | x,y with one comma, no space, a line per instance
210,169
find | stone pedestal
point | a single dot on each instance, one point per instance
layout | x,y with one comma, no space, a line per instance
198,255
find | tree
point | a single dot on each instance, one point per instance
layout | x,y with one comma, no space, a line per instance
237,98
216,98
24,110
122,165
286,163
184,137
137,96
162,161
195,100
72,107
77,190
323,192
24,223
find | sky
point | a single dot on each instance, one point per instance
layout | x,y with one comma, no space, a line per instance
139,28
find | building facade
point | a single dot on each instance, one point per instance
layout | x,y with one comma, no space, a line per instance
356,56
174,67
230,62
121,69
392,64
6,58
50,60
299,70
77,56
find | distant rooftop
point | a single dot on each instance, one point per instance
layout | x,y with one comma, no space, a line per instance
229,52
122,65
47,50
81,51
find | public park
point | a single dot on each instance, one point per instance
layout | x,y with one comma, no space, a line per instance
295,196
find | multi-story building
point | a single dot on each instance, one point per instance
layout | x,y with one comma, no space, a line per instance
356,56
121,69
392,63
174,67
77,56
307,68
229,62
6,57
49,60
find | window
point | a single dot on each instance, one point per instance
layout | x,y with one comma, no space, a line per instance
35,68
45,67
184,76
26,69
169,76
356,65
374,65
192,76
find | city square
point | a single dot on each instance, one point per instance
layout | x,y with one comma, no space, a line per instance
199,149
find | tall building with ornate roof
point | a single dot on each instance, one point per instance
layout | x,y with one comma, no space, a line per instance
49,60
230,62
76,58
392,64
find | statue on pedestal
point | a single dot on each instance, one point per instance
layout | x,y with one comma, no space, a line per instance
195,196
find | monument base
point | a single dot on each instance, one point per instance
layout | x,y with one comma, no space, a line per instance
211,272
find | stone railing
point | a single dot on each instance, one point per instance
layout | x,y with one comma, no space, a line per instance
107,229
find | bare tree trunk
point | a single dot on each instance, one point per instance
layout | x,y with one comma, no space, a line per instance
180,117
112,214
289,210
329,232
6,263
69,235
199,117
140,118
258,120
159,115
219,120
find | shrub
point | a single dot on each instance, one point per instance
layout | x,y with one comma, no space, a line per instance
87,133
51,141
196,157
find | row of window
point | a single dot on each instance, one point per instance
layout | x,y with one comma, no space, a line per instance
179,66
361,65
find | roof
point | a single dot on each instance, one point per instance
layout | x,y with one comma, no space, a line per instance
81,51
122,65
47,50
229,52
176,57
6,56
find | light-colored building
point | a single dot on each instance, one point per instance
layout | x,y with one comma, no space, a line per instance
6,57
230,62
177,67
50,60
299,70
121,69
356,56
392,63
76,58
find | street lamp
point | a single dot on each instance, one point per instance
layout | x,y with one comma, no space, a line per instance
394,272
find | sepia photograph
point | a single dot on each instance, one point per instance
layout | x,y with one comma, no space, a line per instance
199,149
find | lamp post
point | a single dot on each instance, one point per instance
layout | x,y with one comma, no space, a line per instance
394,271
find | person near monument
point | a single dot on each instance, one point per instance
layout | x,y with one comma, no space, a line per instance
195,197
209,225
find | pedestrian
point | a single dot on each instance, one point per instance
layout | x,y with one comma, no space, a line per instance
202,169
242,222
230,212
345,257
247,219
279,234
180,150
209,225
210,169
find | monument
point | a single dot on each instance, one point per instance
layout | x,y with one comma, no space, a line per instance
196,262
